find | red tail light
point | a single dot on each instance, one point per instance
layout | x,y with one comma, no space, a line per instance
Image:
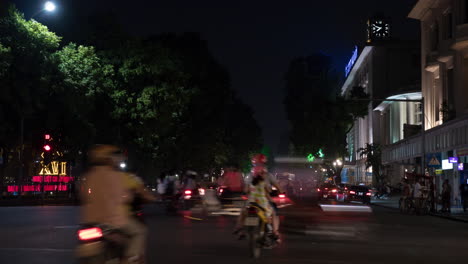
326,188
282,196
188,192
252,211
334,190
90,233
318,190
352,192
244,197
221,190
368,194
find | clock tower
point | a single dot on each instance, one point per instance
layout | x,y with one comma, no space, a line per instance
378,28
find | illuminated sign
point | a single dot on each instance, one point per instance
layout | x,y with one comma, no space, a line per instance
64,179
351,62
461,166
446,165
37,188
310,158
453,159
54,168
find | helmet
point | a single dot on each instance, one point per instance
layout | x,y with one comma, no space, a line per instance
258,170
103,154
259,159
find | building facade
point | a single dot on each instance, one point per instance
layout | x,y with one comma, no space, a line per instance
386,69
444,75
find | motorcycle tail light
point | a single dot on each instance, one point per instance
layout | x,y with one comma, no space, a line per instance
282,196
188,192
368,194
352,192
334,190
90,233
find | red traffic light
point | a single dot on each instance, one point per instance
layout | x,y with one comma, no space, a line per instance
47,136
47,148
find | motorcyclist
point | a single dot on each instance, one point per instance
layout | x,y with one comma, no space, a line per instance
104,194
259,164
137,196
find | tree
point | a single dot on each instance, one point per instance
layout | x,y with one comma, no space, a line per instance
320,116
25,46
373,155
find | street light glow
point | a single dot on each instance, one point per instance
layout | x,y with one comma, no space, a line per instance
49,6
123,165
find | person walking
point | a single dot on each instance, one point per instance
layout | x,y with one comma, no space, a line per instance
464,195
446,194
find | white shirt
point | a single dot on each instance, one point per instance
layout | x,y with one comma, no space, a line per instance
417,190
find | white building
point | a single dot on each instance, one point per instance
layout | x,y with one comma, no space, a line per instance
444,73
388,69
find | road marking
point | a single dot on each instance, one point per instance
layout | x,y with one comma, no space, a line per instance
192,218
345,208
38,249
284,205
67,227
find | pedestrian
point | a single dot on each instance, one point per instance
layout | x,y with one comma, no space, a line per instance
418,195
432,195
464,195
446,194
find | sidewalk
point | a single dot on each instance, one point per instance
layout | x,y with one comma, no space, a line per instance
456,214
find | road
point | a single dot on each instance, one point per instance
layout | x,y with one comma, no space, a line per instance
46,235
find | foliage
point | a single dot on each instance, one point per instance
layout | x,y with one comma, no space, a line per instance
165,99
320,117
373,155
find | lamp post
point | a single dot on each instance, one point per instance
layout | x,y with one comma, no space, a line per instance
49,6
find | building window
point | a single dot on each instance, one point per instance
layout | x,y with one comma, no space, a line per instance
418,113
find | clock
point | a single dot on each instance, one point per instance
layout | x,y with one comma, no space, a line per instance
378,29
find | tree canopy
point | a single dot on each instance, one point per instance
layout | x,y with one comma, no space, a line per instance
165,99
320,116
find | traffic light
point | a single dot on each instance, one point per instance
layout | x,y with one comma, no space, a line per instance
47,149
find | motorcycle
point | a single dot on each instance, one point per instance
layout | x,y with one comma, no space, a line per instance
100,244
258,230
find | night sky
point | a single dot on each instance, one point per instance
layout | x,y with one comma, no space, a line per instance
254,39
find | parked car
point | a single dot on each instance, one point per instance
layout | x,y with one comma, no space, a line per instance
359,193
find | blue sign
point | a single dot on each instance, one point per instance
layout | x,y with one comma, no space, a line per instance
352,61
461,166
434,160
453,159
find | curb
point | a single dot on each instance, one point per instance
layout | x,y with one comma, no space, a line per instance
431,214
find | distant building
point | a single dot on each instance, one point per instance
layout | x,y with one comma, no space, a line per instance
387,69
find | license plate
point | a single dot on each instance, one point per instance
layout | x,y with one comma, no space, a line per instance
238,203
251,221
360,193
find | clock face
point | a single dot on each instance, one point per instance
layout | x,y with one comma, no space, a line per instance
380,29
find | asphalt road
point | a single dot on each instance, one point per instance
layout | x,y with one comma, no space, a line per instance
46,235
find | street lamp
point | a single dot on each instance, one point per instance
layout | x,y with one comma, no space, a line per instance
49,6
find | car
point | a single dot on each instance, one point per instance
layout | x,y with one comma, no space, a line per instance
359,193
328,191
